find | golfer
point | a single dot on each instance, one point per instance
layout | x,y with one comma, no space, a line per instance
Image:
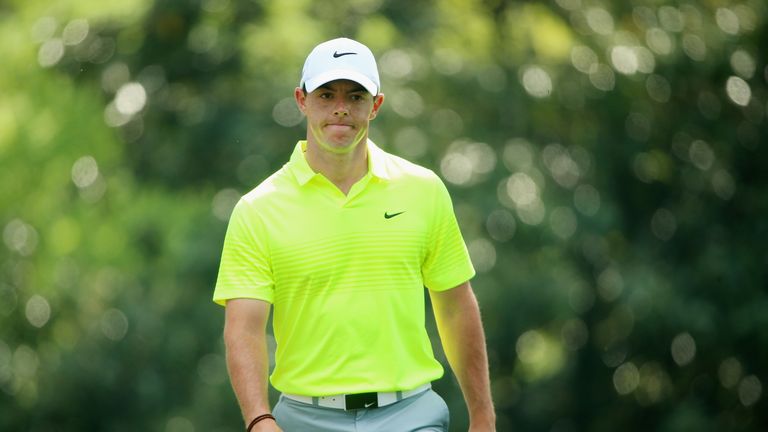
339,244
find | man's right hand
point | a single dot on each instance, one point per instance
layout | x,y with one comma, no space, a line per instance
266,425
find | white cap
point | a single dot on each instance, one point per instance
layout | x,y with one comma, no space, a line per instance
340,58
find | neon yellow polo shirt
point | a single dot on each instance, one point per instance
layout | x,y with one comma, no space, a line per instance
346,273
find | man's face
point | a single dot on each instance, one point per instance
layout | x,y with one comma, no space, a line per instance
338,114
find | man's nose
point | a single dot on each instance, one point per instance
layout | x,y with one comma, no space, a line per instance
341,108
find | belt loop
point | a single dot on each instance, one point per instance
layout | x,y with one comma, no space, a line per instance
399,395
316,401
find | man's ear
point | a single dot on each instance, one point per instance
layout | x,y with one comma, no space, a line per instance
301,98
377,101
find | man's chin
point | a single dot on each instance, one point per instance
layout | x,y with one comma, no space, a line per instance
340,148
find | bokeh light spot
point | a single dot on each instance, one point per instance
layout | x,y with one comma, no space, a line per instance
113,117
44,28
114,76
447,61
203,38
85,170
694,47
701,155
727,20
624,60
602,78
517,154
536,81
723,184
224,202
252,169
456,168
583,58
216,6
565,171
447,122
671,19
658,88
586,199
748,19
646,61
50,53
522,189
467,162
569,4
212,369
483,254
532,213
407,103
655,384
179,424
683,349
501,225
574,334
738,90
38,311
626,378
130,98
286,113
610,284
663,224
600,21
659,41
25,361
540,356
649,167
614,355
75,31
743,64
411,142
492,78
8,300
396,64
20,237
114,324
730,372
750,390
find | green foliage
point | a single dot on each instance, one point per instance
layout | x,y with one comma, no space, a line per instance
606,162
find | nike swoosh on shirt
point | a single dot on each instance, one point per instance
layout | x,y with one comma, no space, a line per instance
391,215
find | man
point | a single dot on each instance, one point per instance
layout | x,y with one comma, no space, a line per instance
342,241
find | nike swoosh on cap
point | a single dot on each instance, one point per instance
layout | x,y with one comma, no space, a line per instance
337,54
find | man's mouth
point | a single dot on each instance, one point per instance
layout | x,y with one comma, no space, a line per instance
339,126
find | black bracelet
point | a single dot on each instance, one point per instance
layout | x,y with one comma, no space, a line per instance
258,419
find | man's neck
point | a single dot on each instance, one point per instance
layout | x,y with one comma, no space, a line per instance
344,169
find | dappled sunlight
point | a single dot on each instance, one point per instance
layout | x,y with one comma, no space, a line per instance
605,161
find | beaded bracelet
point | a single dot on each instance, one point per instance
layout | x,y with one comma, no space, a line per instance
258,419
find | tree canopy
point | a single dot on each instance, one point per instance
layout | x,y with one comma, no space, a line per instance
604,159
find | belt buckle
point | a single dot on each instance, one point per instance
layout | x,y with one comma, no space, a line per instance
361,401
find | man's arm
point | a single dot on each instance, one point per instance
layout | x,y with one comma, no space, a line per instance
461,332
247,358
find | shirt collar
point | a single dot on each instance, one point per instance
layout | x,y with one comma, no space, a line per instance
377,163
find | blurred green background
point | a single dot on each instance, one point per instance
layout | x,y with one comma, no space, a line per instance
607,161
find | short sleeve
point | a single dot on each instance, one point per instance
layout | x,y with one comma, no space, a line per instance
447,262
245,270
